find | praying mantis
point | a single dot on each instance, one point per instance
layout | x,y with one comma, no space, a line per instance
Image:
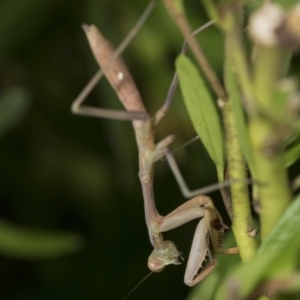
210,227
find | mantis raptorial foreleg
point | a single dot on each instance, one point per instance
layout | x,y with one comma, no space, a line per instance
210,225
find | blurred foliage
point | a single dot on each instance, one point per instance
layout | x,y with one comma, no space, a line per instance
20,243
14,104
269,263
61,172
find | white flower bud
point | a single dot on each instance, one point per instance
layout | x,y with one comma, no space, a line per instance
264,22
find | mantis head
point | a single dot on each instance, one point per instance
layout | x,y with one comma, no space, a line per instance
165,254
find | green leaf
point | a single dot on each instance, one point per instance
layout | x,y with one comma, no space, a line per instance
239,116
21,243
276,257
285,232
285,4
202,111
292,154
14,104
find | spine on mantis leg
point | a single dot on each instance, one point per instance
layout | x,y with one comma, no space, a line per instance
114,69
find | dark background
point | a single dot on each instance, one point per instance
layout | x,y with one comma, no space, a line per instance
66,172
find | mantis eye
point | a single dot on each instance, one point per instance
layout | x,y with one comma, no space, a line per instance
155,264
165,254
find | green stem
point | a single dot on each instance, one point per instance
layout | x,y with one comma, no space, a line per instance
242,219
242,223
238,60
274,195
229,19
270,64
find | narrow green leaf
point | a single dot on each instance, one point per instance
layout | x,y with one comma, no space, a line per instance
276,257
21,243
286,230
239,116
292,154
202,111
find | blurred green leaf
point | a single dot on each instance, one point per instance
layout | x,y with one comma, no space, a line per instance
239,116
286,4
281,97
292,154
205,290
202,111
20,243
14,105
275,258
296,183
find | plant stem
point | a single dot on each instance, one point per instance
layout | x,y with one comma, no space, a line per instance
238,61
242,219
270,65
267,141
274,195
242,223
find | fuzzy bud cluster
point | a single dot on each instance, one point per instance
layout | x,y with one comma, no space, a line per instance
272,26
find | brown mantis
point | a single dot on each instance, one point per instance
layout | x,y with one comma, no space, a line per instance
210,226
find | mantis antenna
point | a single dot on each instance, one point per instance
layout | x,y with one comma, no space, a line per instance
137,285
